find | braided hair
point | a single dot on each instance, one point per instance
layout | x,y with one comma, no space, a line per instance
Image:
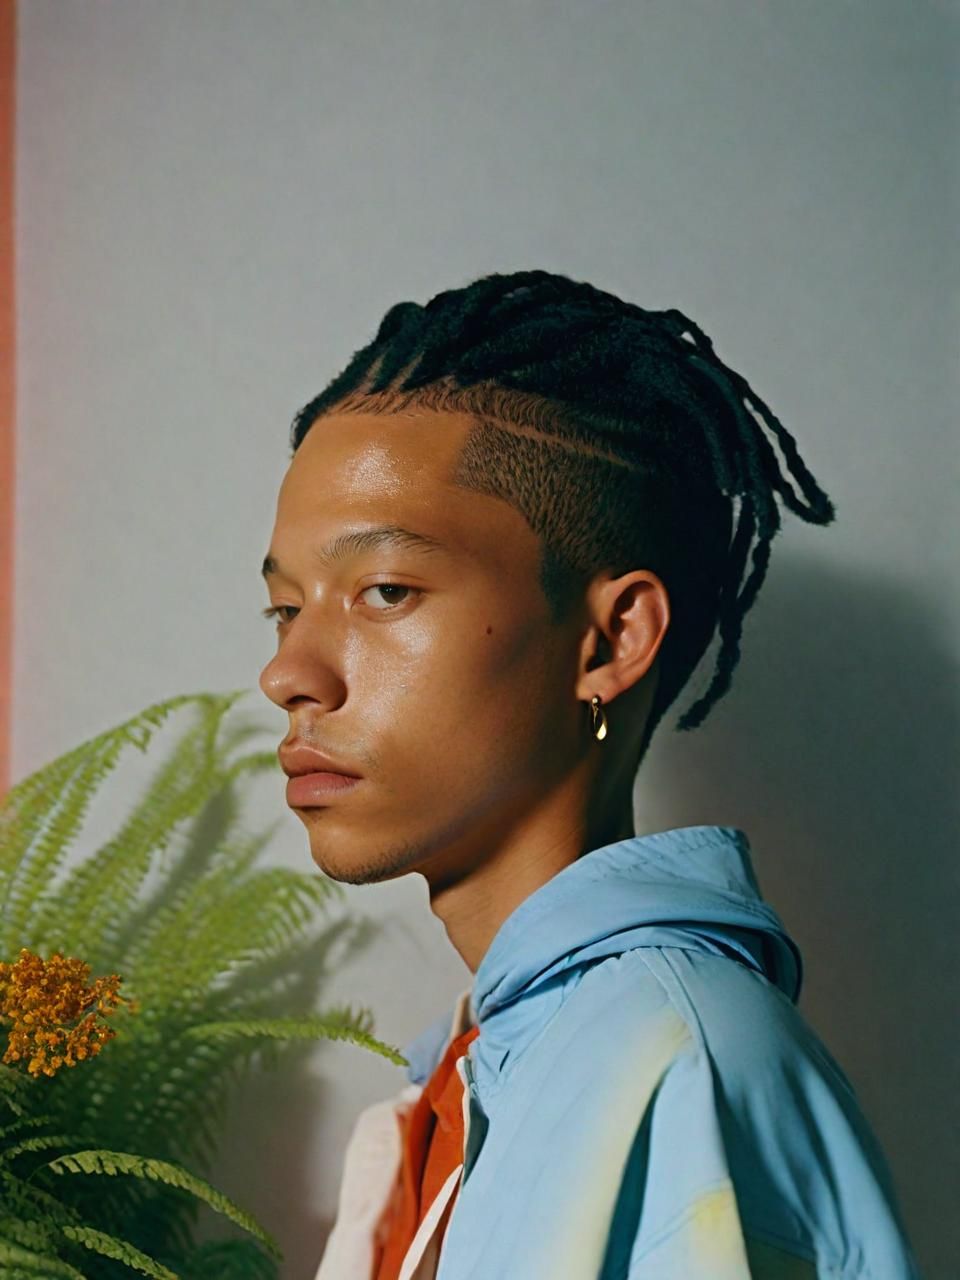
617,432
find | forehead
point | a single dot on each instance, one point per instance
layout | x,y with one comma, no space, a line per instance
354,468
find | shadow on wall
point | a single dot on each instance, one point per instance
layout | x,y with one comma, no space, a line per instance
836,749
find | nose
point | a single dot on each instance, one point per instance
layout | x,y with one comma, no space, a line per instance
305,666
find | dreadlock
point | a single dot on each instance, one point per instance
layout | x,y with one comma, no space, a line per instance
616,431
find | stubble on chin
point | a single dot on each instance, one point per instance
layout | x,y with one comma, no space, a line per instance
363,867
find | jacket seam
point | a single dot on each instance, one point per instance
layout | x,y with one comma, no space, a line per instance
674,990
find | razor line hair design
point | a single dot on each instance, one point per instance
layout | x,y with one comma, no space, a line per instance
618,433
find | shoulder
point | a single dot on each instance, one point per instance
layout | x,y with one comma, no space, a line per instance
684,1102
807,1168
721,1106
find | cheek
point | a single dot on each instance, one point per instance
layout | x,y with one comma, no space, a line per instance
445,655
466,709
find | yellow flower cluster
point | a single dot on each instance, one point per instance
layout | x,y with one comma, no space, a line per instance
43,1000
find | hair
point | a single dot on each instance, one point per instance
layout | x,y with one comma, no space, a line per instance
617,432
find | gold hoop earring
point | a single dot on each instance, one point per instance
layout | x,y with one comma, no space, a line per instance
598,718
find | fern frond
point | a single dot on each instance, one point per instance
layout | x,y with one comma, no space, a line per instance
26,1122
39,1143
23,810
331,1027
47,853
28,1200
227,922
121,1250
177,1081
189,1101
31,1233
157,1082
193,938
114,906
156,1089
157,927
292,981
103,887
173,1175
25,806
14,1090
15,1259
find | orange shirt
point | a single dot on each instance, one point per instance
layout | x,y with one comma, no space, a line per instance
432,1148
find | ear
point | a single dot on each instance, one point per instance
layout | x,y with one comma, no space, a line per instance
629,617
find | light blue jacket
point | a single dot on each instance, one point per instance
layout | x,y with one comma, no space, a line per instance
644,1100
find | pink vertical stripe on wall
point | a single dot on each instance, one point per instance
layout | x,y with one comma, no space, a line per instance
8,74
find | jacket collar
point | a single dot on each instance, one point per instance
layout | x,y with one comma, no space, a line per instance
698,880
691,886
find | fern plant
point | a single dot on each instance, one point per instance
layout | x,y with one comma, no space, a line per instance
102,1161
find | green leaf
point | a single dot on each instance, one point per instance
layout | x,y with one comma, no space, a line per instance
28,1122
68,781
15,1090
174,1175
40,1143
21,1197
32,1262
122,1250
333,1026
102,889
230,919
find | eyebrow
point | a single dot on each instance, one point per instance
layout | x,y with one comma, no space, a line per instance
357,541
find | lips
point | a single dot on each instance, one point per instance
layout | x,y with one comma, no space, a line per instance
297,761
318,790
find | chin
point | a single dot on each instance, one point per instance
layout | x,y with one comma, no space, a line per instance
333,858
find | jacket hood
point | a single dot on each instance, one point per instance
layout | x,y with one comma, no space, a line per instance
692,887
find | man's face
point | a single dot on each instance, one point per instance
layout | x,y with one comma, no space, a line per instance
451,692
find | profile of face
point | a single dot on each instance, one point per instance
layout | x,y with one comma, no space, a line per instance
434,671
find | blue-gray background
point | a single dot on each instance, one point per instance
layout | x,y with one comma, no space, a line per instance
217,201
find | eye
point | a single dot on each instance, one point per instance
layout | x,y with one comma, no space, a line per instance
270,613
278,610
388,586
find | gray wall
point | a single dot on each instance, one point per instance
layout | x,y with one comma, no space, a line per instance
217,202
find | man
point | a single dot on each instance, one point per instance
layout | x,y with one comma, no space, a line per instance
509,530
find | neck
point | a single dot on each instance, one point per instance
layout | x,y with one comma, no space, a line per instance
476,884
